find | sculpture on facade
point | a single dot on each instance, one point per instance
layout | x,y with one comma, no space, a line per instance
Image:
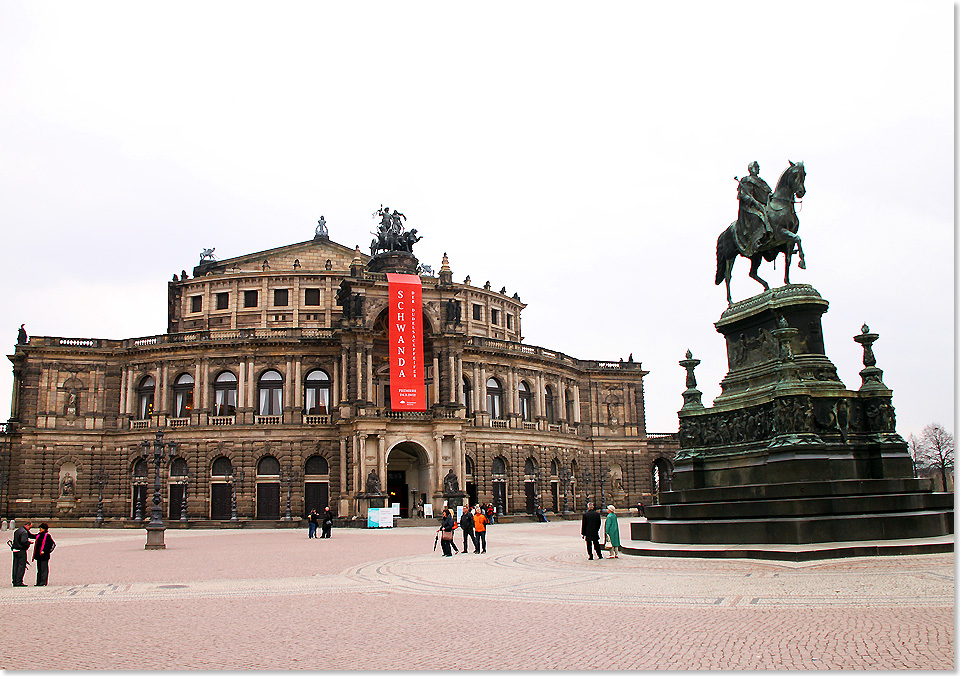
766,224
22,336
207,255
373,482
66,486
450,483
390,235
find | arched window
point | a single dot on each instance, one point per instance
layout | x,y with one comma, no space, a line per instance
499,467
270,393
548,406
225,394
145,394
178,468
183,396
569,407
530,467
222,467
494,399
268,466
554,468
467,395
316,393
469,465
140,469
526,403
316,465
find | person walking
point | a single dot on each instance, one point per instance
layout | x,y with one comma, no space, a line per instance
42,547
466,525
611,531
480,532
327,523
20,544
313,520
590,531
447,524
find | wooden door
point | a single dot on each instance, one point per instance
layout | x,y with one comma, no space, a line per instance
529,488
220,501
175,504
316,495
268,501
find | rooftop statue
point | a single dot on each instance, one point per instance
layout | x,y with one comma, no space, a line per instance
390,236
207,255
766,224
322,231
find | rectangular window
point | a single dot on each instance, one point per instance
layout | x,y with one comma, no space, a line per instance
223,301
509,321
196,303
250,298
312,297
280,297
477,312
494,316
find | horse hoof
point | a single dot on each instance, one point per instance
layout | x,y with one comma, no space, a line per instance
802,265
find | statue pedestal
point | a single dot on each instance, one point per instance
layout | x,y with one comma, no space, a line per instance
455,499
402,262
366,501
155,537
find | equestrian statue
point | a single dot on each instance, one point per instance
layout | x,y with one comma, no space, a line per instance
390,235
766,224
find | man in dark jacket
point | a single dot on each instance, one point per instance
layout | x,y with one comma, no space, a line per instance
313,520
466,525
590,530
327,523
21,543
41,553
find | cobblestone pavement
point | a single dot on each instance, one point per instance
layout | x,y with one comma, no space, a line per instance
383,599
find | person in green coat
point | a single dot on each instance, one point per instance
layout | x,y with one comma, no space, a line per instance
612,532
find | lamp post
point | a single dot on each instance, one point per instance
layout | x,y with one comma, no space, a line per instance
288,475
603,480
163,452
565,478
185,482
235,478
100,478
587,482
536,490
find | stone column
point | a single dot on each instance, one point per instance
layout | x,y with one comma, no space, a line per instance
251,386
344,488
436,379
359,372
163,376
287,390
335,385
124,376
131,376
369,373
458,376
199,391
382,461
242,385
482,390
344,375
298,383
541,409
452,371
438,444
576,403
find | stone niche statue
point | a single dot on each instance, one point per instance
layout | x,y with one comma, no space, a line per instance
450,483
373,482
66,486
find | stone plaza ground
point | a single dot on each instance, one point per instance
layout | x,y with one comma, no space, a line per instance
383,599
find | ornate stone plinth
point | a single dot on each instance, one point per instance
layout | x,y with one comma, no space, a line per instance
155,538
394,261
787,454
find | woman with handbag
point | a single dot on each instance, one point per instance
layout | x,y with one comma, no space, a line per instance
42,547
446,532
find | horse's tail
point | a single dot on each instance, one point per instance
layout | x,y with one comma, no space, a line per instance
723,248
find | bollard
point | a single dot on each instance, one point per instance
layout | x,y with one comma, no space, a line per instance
13,524
3,525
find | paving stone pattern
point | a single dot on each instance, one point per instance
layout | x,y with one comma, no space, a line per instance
383,599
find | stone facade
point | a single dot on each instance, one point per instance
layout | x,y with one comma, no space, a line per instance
273,380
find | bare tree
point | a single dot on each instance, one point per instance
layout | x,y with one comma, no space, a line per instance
933,451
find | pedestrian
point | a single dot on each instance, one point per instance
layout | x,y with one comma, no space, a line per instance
590,531
490,513
313,520
466,525
19,545
480,532
541,515
447,524
327,523
611,532
42,547
640,509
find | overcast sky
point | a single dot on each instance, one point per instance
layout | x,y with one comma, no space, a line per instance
581,154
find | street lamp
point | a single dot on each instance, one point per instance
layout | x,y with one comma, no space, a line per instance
100,478
185,482
565,479
288,475
163,452
536,490
235,478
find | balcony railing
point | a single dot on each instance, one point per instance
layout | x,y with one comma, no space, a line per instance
500,424
178,422
220,420
139,424
268,419
316,420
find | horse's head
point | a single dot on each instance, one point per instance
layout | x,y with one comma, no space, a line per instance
797,176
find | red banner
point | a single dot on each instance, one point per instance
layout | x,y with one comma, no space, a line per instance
407,391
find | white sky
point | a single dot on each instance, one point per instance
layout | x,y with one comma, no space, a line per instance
581,154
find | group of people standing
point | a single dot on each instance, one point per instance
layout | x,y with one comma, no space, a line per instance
324,522
43,545
473,524
590,531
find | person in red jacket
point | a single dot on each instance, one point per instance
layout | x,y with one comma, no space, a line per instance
480,532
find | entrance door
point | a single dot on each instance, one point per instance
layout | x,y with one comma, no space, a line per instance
140,500
220,502
268,501
316,495
529,488
397,490
472,493
175,505
555,491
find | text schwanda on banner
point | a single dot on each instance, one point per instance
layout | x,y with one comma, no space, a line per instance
407,391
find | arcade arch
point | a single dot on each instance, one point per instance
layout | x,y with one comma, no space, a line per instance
408,477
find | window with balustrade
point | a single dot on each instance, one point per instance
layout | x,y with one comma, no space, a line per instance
316,393
270,393
494,399
549,412
183,396
526,402
225,394
145,396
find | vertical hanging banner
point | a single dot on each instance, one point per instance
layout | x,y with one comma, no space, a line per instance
407,391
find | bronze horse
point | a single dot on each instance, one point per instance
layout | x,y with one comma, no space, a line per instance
783,222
